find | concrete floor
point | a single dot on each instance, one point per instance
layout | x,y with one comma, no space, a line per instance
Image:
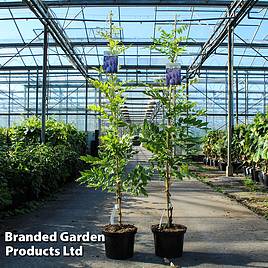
221,232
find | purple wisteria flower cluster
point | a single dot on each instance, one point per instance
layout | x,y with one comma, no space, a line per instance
173,76
110,63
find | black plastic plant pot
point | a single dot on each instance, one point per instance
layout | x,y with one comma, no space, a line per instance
255,174
210,162
260,177
119,245
245,171
252,173
248,171
169,243
223,166
205,160
237,166
265,179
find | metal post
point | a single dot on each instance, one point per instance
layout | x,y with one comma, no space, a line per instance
187,98
264,93
9,99
99,120
67,97
36,93
28,95
246,98
44,85
77,109
207,97
236,97
229,169
225,99
86,115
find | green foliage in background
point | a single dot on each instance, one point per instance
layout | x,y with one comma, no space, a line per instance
215,144
249,143
30,170
57,133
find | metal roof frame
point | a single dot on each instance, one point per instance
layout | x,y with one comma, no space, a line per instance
75,3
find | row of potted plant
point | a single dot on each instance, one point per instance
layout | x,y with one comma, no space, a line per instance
215,149
249,148
110,168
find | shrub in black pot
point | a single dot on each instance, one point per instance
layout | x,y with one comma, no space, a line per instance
214,145
108,170
211,164
260,177
261,156
248,171
222,166
255,174
245,172
252,173
237,166
163,138
215,163
265,179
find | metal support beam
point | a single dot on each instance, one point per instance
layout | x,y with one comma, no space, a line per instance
28,96
236,97
134,43
237,11
9,99
229,169
246,98
79,3
206,97
42,13
36,93
86,116
264,92
123,68
100,104
67,97
44,85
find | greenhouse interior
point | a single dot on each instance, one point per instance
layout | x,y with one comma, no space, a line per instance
133,133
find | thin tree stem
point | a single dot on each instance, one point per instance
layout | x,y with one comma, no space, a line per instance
168,167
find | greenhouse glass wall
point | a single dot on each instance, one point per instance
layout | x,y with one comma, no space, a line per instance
125,117
68,94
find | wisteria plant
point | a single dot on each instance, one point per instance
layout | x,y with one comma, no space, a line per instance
172,141
109,169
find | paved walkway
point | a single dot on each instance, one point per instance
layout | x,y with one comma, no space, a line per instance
221,232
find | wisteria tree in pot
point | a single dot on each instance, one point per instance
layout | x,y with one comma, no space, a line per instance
172,142
108,171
